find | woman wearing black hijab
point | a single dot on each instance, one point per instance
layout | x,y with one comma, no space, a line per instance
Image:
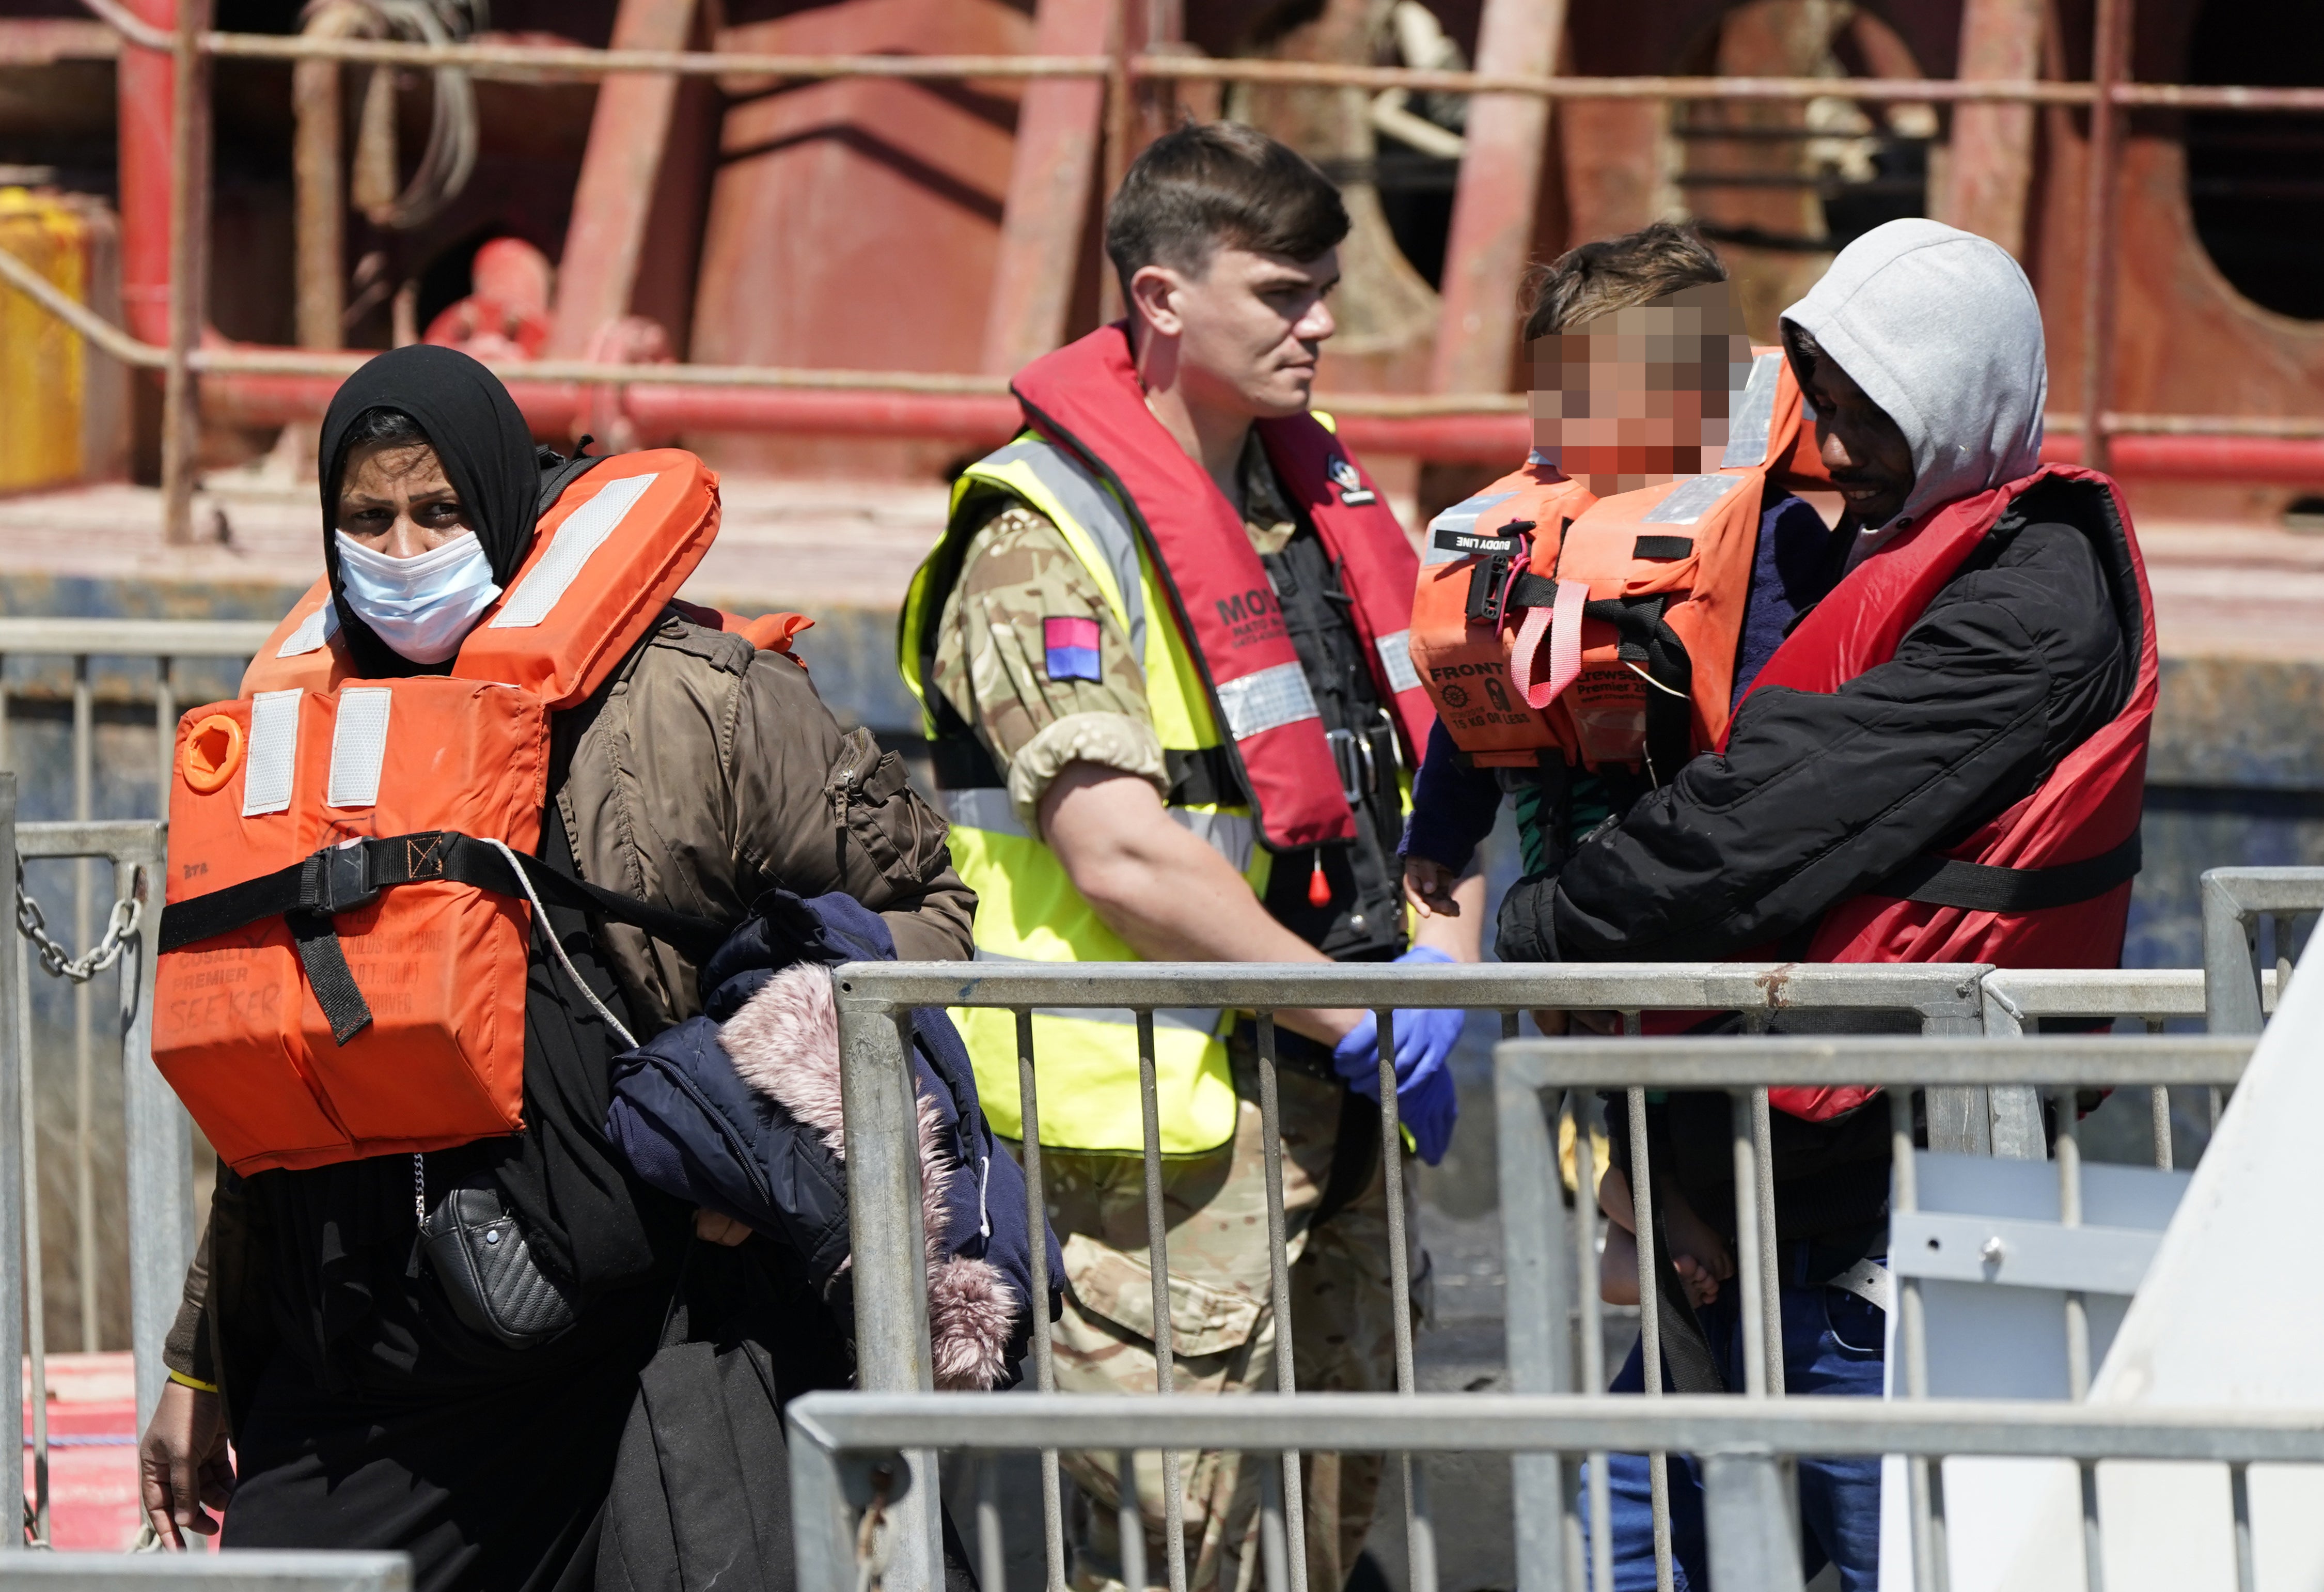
365,1412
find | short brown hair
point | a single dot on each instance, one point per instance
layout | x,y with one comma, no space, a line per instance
1212,185
1616,273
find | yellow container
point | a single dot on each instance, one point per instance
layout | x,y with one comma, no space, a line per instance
63,412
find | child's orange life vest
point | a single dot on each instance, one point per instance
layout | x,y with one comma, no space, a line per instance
343,949
1613,621
1463,628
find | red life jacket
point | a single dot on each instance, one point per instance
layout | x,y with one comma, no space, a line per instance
2085,812
1086,396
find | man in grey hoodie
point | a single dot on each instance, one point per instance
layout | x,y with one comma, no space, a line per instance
1921,353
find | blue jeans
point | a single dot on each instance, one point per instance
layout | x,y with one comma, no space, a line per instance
1833,1345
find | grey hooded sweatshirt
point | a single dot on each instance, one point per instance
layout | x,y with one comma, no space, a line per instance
1941,330
1820,796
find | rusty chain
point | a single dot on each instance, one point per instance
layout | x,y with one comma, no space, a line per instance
873,1539
58,963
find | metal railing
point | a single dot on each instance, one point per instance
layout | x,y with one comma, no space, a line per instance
1561,1531
1948,1002
157,1134
246,1570
1548,1355
2236,903
2019,1000
846,1452
189,45
83,669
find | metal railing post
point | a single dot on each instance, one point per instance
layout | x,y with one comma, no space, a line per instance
1537,1259
1288,1494
35,1294
1748,1522
1960,1119
1045,1368
14,1302
2230,984
1650,1336
823,1520
85,1277
889,1250
158,1146
1589,1543
1166,1342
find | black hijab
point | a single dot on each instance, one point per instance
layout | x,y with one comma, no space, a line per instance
487,452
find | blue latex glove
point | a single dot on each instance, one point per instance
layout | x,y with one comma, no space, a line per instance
1423,1088
1428,1110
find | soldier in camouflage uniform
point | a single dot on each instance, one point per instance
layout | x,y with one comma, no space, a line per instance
1087,840
989,666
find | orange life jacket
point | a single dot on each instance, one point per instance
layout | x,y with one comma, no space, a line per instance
1612,622
343,947
1462,628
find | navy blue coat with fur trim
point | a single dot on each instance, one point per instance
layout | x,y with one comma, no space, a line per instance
738,1111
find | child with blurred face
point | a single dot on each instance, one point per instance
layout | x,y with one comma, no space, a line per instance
1639,396
1638,356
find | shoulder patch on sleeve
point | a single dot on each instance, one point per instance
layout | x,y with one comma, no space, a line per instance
1070,648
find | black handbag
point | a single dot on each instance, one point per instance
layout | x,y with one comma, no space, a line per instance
487,1272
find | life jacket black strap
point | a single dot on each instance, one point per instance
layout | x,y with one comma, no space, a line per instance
341,878
1979,887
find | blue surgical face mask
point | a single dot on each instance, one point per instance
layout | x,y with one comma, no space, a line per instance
423,607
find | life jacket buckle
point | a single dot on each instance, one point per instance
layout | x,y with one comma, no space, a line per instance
1354,760
339,879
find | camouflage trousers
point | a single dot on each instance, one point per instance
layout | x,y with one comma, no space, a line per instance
1225,1333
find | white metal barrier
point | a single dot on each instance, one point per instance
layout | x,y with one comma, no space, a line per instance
1967,1111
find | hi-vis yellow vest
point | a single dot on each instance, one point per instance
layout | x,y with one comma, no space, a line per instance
1028,910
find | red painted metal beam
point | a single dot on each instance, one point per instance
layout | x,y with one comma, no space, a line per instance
2244,461
989,420
1051,171
1992,168
628,131
1493,207
975,419
145,91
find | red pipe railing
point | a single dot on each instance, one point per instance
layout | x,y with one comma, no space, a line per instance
153,163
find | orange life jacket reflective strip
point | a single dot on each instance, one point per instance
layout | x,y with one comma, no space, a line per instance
356,814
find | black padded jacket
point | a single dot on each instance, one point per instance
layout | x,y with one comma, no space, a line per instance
1819,796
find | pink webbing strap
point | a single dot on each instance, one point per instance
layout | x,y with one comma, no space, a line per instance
1562,621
